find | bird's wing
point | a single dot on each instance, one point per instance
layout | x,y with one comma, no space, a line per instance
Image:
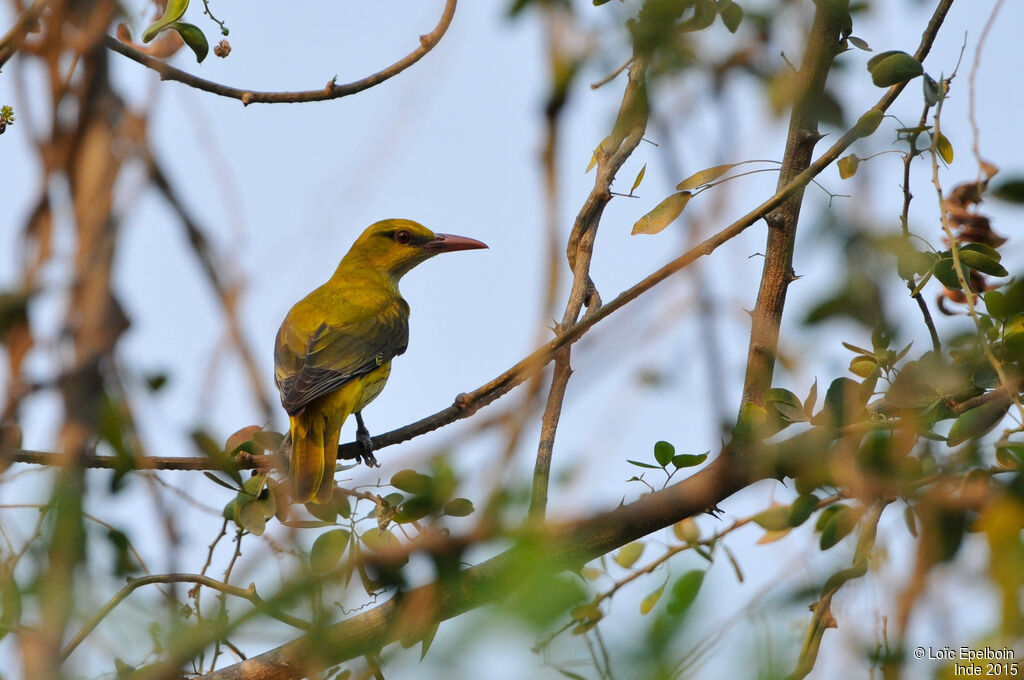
310,366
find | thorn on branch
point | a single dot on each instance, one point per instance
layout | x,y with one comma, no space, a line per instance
774,221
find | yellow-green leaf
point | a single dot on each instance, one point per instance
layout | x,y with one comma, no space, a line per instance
593,158
663,214
628,554
327,550
647,604
174,11
944,148
891,68
639,178
868,122
977,422
772,536
848,166
686,530
704,177
773,519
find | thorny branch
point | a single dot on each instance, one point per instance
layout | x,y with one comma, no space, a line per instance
822,46
613,152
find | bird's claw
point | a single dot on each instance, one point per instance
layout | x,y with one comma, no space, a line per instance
366,455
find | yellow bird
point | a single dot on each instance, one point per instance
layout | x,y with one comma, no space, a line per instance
334,348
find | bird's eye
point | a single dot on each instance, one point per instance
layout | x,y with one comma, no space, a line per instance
403,237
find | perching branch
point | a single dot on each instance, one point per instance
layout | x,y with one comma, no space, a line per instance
331,91
244,461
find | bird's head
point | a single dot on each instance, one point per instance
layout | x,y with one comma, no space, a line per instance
396,246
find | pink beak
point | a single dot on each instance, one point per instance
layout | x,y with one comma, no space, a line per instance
446,243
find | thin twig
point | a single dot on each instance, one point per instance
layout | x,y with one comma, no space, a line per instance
249,594
971,79
908,158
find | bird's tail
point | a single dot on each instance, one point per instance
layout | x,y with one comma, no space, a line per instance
314,453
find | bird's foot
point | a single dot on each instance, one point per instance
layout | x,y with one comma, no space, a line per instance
366,455
363,438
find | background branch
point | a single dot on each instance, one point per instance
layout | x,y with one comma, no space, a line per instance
331,91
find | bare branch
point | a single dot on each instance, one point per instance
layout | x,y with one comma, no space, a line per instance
331,91
249,594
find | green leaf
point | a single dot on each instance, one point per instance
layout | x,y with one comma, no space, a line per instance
647,604
174,11
639,178
663,453
327,550
251,518
685,460
839,526
875,60
1010,190
775,518
412,482
977,422
217,480
944,272
663,214
458,507
684,592
859,43
413,509
643,465
194,38
1010,455
891,68
931,90
10,601
705,176
628,554
378,540
982,262
732,15
868,122
943,148
803,507
848,166
825,516
428,639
